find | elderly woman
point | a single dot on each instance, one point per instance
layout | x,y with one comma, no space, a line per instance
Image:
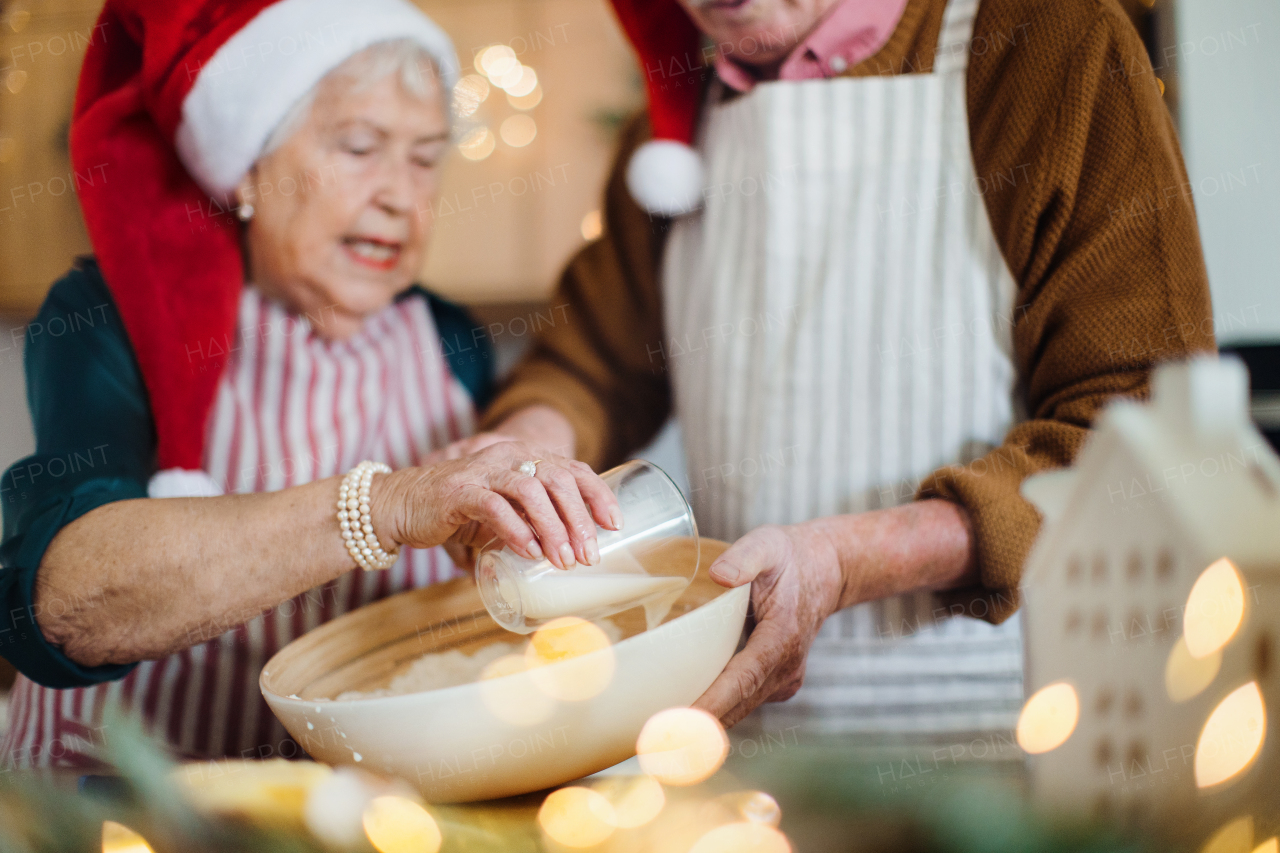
187,505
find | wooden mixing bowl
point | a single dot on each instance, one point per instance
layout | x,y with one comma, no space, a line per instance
503,736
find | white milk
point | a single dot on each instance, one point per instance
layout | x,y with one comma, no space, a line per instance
567,594
619,579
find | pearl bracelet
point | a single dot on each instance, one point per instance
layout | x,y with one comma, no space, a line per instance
354,521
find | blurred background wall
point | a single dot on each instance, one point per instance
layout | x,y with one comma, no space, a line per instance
1228,56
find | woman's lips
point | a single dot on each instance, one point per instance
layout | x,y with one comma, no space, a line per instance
372,253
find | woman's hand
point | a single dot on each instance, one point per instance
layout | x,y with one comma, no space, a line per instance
802,573
554,512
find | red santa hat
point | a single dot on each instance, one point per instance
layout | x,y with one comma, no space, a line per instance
665,174
174,105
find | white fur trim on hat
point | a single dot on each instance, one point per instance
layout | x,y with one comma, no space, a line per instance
666,177
248,86
182,483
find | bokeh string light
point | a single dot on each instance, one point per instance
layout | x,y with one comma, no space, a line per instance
636,800
478,143
577,817
118,838
526,102
1048,718
399,825
1215,609
583,657
1186,677
1232,736
742,837
682,746
469,93
518,130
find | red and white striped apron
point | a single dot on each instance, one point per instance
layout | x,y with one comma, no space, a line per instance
291,408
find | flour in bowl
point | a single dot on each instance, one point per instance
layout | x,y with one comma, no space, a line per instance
438,670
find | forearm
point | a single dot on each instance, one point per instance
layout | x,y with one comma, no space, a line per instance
166,574
924,545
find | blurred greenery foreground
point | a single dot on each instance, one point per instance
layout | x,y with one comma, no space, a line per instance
825,800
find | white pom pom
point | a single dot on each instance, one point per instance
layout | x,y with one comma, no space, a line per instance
182,483
665,177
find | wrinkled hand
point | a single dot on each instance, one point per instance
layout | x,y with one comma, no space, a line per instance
471,498
796,584
467,446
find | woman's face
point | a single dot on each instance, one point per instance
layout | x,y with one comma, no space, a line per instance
343,207
757,32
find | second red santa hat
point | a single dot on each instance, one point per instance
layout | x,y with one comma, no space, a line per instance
665,175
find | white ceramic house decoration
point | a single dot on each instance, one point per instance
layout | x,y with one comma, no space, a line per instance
1152,613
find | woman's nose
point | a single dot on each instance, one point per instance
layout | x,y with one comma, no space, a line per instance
394,192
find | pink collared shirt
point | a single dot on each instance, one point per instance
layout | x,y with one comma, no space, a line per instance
852,31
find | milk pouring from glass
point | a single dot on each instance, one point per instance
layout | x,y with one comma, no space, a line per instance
645,564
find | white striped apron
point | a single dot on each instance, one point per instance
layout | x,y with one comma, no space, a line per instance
838,314
290,409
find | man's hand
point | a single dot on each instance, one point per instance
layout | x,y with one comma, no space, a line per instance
805,572
796,584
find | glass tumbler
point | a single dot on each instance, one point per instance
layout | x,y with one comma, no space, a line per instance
648,562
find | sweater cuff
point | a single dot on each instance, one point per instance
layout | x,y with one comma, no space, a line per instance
21,639
1005,526
539,385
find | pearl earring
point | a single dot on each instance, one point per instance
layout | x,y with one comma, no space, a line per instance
245,212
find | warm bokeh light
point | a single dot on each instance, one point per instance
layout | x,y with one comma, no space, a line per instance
522,85
1215,609
592,225
1271,845
1232,736
397,825
742,837
15,80
510,78
497,60
477,144
1048,718
526,102
18,20
1185,676
513,700
636,800
582,654
1234,837
577,817
682,746
752,806
118,838
469,94
518,130
334,810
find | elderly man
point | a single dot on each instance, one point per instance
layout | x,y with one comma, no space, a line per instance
914,248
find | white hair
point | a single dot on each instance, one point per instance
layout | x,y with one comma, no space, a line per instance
405,57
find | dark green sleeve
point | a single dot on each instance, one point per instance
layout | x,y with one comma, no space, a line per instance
465,344
95,443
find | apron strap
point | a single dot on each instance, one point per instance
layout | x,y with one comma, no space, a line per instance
954,41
